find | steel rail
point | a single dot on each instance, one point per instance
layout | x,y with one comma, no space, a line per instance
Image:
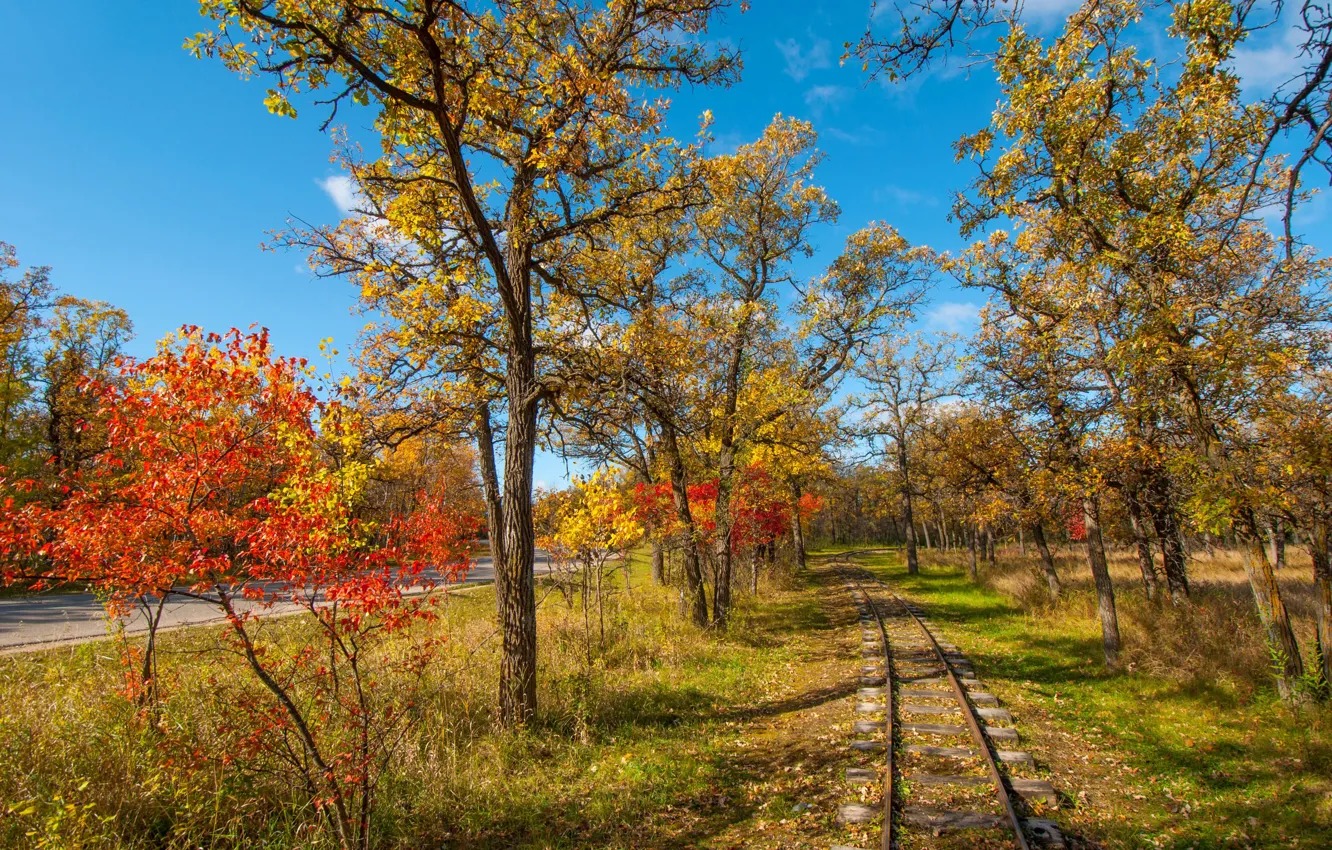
889,726
977,733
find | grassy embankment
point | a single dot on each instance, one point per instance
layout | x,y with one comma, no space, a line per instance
649,746
671,739
1187,746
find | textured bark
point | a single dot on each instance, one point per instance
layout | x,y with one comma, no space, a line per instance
1105,590
695,593
490,489
925,528
1146,563
908,514
971,562
1287,663
989,548
658,564
1322,571
1165,518
1047,560
721,589
797,534
1276,535
515,590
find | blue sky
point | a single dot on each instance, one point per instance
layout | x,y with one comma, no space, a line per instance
148,179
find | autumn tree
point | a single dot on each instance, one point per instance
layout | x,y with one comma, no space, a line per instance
766,208
634,397
512,131
597,522
904,378
1296,439
996,464
22,302
1029,356
217,483
1190,314
84,341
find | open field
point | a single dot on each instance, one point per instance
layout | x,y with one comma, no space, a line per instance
671,740
644,748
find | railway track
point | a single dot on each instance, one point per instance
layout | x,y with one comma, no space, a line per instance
923,738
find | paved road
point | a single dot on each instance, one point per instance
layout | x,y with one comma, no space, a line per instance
32,621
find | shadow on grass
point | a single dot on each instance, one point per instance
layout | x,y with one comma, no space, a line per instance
690,800
1216,766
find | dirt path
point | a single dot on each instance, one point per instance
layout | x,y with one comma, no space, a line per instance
787,753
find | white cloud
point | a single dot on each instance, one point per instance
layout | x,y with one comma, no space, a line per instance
820,98
725,143
903,197
799,61
342,191
1268,66
862,135
954,316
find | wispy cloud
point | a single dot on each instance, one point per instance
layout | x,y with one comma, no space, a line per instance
862,135
800,61
820,98
1272,64
726,143
904,197
957,317
342,192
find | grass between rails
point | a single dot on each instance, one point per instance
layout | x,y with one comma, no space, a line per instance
1188,747
669,739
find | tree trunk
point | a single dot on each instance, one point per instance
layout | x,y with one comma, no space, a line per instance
1276,535
971,542
1322,571
989,548
1105,590
721,590
797,535
587,624
925,528
908,515
691,561
1047,560
1165,518
1287,663
515,592
490,488
658,563
1022,543
601,611
1145,561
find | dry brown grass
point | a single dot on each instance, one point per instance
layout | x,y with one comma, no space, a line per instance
1217,635
628,749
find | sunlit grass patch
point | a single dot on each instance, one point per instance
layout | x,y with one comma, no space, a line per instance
1186,746
632,748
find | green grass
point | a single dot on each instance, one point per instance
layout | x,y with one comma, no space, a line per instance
672,738
1192,761
635,750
